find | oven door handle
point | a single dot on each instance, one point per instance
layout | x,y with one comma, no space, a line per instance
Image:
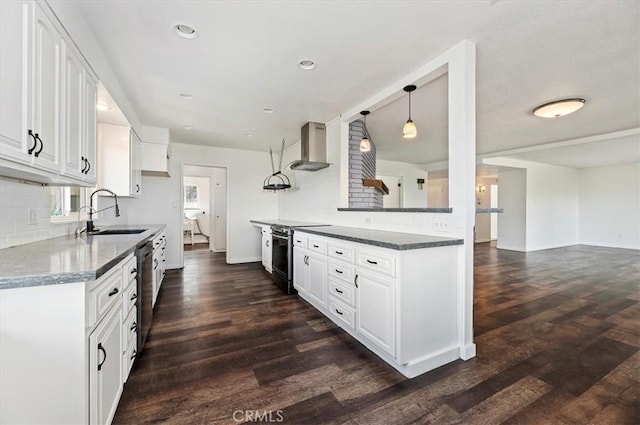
279,237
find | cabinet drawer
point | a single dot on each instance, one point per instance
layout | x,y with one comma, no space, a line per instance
130,269
341,271
317,245
345,293
379,263
343,252
300,240
106,293
127,362
130,297
341,314
130,328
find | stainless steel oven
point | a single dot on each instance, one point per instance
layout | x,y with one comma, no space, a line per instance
282,258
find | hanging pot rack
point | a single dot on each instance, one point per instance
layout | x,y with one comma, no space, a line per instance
277,180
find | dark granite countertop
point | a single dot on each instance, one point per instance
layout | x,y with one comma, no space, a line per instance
488,210
381,238
286,223
68,259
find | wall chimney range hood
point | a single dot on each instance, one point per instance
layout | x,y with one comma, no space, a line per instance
313,148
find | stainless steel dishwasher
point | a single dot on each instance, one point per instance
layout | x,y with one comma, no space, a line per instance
144,280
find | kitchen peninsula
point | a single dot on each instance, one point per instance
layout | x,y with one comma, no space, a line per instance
72,314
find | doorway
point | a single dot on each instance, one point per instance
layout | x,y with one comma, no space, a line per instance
204,208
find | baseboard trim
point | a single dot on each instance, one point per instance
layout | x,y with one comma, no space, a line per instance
468,351
244,260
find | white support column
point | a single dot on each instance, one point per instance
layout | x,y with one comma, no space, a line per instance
462,170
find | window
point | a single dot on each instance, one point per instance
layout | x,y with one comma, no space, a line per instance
65,203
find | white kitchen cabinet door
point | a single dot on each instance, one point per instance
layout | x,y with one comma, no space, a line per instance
15,76
105,362
73,134
90,117
267,253
375,311
300,271
135,181
47,101
317,292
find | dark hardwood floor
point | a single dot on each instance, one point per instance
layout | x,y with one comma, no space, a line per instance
557,334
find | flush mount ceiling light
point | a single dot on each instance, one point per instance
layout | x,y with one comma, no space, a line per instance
365,144
101,106
306,64
187,127
409,131
185,31
558,108
186,96
248,135
268,110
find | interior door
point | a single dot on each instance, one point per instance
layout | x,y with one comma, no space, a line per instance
220,218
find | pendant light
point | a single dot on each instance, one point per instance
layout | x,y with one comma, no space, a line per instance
277,180
409,131
365,144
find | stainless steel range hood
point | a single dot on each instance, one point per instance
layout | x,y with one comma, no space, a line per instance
313,148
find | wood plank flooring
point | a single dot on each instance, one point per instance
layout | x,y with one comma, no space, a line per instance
557,334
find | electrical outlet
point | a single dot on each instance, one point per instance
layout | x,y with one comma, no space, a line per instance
367,220
32,216
441,225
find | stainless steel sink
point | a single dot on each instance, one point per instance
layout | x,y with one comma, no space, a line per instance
117,232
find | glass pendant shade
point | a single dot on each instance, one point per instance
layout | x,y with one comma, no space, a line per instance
365,145
409,131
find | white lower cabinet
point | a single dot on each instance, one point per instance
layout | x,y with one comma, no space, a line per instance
401,304
159,263
375,310
62,352
105,367
267,256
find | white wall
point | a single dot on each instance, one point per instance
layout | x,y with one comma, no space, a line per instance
552,206
161,200
610,206
438,193
512,228
412,197
15,201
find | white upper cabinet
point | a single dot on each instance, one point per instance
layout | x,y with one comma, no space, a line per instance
14,81
45,115
118,148
89,147
135,179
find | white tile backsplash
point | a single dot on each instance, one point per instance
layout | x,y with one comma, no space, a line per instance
15,201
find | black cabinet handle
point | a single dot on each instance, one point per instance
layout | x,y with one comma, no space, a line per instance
339,252
133,327
155,264
84,164
134,270
133,297
113,292
371,262
39,151
164,261
101,348
339,291
135,353
137,188
339,271
338,311
88,167
35,141
316,246
355,281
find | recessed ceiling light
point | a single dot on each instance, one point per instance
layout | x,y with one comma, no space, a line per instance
187,127
268,110
558,108
100,106
306,64
184,30
186,96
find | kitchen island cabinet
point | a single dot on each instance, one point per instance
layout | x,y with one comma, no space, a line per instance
395,293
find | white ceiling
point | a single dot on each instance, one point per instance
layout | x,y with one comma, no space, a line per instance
245,59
